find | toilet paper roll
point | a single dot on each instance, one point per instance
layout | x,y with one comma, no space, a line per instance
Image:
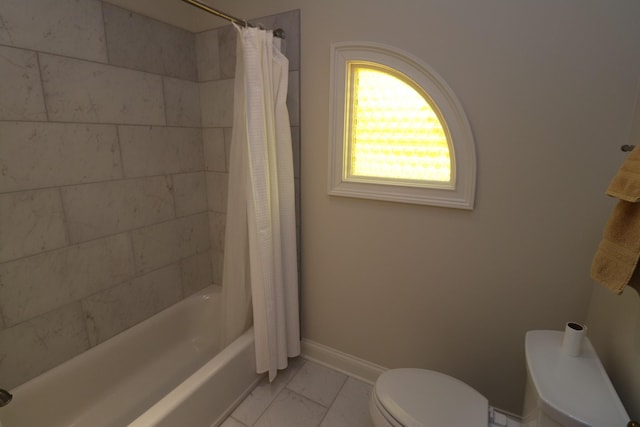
574,334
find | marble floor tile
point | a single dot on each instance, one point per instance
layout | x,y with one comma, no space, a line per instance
317,383
230,422
351,407
290,409
279,404
264,394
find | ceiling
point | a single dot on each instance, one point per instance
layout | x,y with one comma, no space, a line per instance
174,12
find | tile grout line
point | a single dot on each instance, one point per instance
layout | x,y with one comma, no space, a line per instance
106,123
104,181
104,33
270,402
267,407
107,236
327,408
96,61
285,387
334,399
44,95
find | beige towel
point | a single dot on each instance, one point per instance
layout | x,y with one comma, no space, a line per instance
626,184
617,256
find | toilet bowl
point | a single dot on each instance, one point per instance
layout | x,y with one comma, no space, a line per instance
562,391
418,397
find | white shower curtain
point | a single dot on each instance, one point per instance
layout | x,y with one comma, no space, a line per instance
260,259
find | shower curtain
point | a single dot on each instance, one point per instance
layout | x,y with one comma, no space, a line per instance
260,276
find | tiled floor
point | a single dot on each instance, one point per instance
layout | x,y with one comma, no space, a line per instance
306,394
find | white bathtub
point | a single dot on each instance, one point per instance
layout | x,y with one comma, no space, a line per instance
165,371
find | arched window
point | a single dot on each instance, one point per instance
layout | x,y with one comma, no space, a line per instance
398,132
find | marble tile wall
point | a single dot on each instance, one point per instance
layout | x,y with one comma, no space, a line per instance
114,143
216,60
103,201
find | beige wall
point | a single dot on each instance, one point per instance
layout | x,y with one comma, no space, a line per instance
549,90
614,329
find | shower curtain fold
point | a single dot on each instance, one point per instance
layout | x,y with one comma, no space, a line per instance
260,276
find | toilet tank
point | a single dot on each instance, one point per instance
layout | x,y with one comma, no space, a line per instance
566,391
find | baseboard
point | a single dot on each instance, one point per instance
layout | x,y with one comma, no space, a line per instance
355,367
342,362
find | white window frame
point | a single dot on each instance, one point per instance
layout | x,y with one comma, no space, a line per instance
460,193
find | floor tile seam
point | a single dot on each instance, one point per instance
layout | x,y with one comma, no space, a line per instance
307,398
299,368
310,400
334,399
266,408
325,415
271,400
315,401
238,421
344,383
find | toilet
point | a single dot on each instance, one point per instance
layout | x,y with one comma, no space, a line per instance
562,391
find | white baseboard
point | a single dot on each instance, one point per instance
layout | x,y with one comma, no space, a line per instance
342,362
355,367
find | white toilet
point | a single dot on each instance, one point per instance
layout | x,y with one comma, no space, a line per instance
562,391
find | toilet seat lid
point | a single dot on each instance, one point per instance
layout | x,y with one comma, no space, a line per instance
423,398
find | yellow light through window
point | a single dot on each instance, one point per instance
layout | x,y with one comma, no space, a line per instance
394,132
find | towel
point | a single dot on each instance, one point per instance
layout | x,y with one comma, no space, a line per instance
618,253
626,184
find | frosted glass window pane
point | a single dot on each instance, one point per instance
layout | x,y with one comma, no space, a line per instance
394,131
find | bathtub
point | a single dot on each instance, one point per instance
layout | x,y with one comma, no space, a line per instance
168,370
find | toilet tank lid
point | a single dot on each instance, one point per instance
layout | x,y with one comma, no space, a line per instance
419,397
575,389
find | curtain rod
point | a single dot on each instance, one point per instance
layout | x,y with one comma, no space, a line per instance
277,32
